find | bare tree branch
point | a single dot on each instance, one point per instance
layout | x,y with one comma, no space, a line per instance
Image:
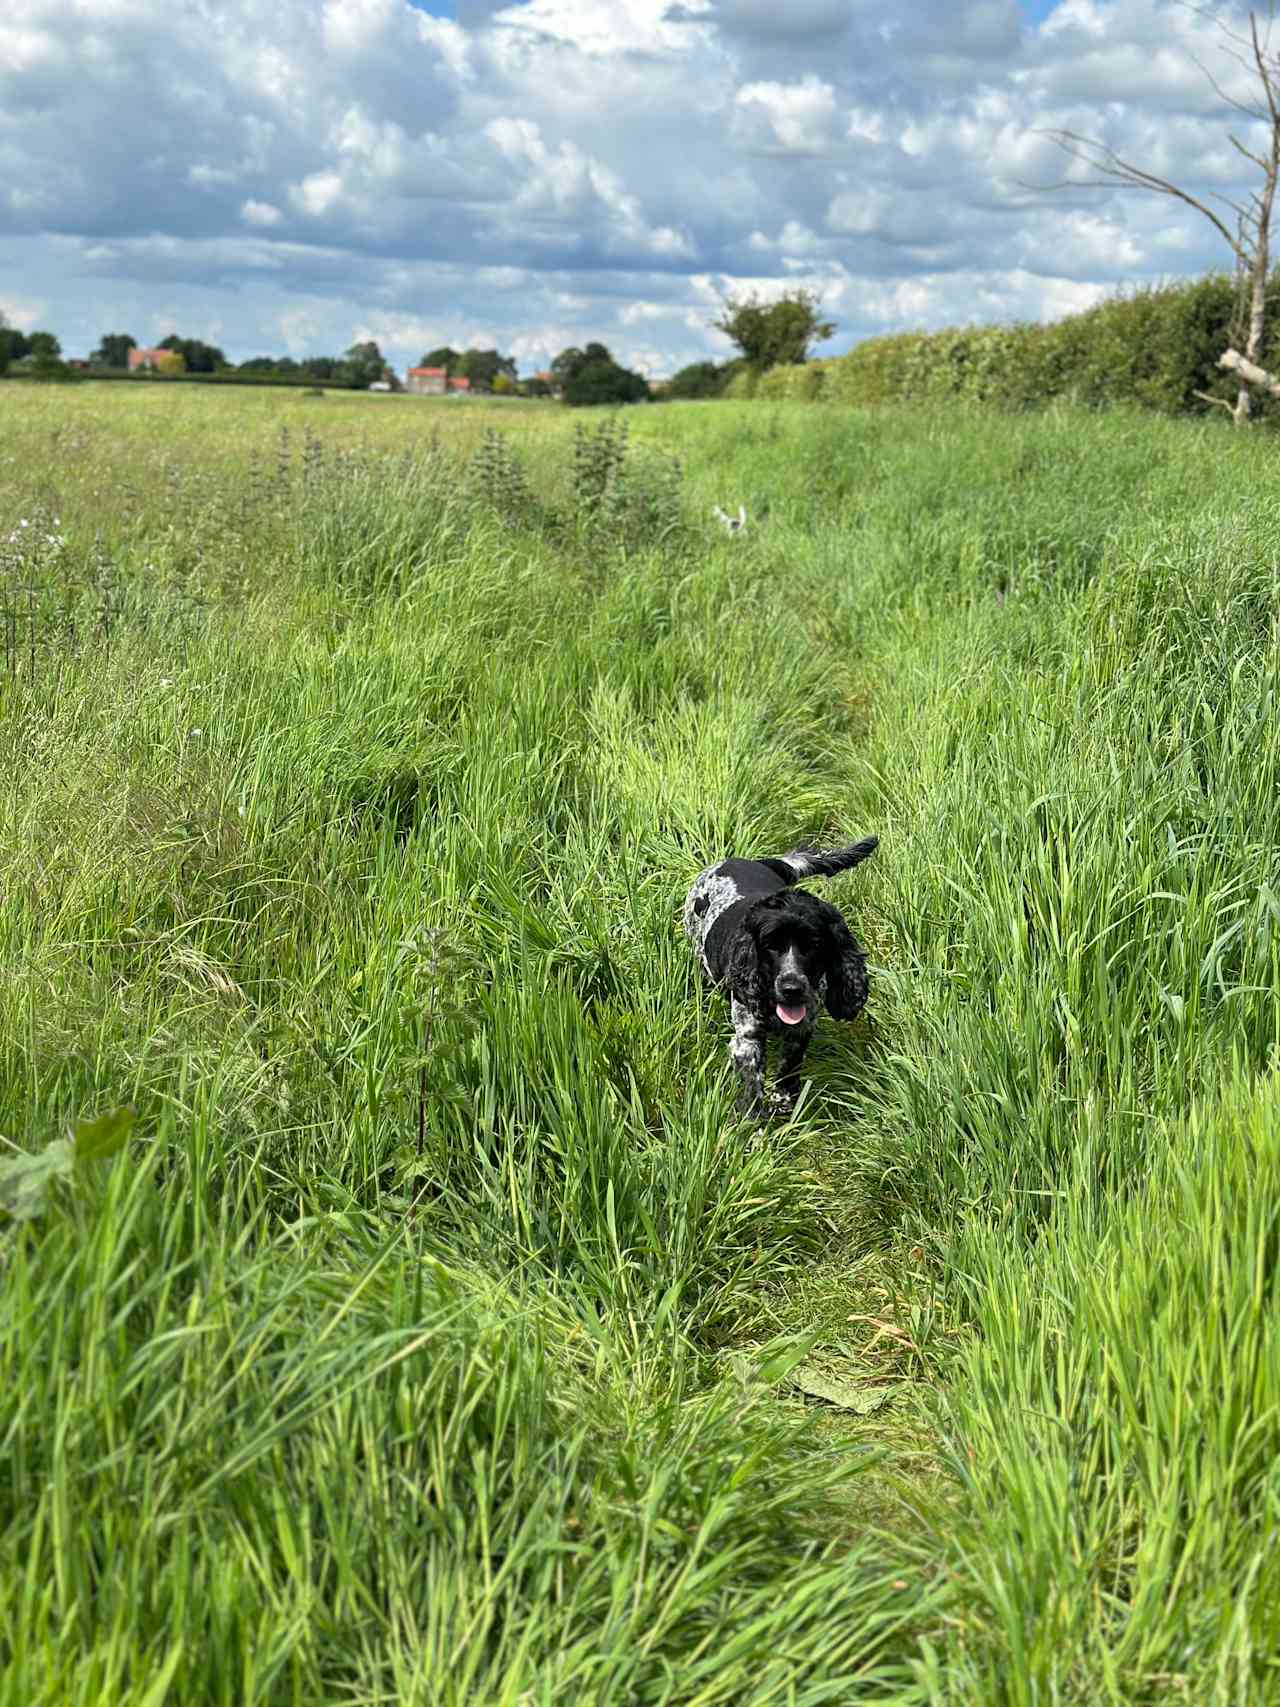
1250,243
1103,158
1247,152
1264,71
1249,112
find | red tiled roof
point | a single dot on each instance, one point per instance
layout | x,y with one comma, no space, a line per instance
429,372
460,384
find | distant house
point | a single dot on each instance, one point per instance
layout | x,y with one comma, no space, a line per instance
153,361
459,387
427,381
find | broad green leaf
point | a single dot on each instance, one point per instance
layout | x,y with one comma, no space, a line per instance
104,1135
781,1358
25,1180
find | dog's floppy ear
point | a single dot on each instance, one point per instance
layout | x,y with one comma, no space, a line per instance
846,969
744,960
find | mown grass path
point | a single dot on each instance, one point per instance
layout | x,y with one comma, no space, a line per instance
437,1340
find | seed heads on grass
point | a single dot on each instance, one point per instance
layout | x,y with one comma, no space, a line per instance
434,970
284,460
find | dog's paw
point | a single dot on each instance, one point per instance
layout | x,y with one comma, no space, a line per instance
780,1105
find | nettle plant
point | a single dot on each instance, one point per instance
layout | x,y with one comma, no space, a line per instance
629,497
496,478
618,495
52,597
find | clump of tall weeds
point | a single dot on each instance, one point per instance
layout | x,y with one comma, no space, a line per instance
53,598
623,497
496,480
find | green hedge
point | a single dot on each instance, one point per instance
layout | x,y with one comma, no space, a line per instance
141,377
1154,347
797,383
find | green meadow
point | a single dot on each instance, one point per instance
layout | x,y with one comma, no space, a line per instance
436,1333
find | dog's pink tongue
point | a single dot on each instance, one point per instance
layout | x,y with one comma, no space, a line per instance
790,1016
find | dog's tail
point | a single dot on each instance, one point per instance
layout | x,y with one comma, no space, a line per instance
807,862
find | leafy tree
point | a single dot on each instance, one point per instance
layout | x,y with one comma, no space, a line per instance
362,364
170,361
699,379
772,334
567,363
113,350
197,356
14,345
503,384
571,361
258,364
482,367
320,367
597,380
44,358
443,357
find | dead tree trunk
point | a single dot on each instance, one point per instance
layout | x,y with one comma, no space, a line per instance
1250,243
1250,372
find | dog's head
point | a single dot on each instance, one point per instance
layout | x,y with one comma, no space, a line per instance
792,951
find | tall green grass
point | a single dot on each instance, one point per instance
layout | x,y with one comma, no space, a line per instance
435,1339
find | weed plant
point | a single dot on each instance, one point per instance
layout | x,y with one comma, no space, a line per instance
440,1337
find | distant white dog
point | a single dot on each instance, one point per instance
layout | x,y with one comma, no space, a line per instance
731,524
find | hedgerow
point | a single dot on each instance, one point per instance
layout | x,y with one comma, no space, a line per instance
1156,347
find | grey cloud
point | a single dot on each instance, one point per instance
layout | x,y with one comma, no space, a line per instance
975,30
796,20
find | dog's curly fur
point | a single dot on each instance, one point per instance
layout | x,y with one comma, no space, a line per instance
777,952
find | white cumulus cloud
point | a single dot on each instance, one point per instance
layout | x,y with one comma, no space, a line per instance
292,174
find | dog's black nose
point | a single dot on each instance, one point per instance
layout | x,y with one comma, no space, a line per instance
791,990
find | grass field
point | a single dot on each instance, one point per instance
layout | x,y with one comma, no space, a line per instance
438,1335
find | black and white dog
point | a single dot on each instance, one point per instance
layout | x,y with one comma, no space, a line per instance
778,951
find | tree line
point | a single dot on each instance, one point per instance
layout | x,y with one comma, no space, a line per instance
766,333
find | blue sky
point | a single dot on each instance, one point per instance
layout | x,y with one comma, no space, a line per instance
299,174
